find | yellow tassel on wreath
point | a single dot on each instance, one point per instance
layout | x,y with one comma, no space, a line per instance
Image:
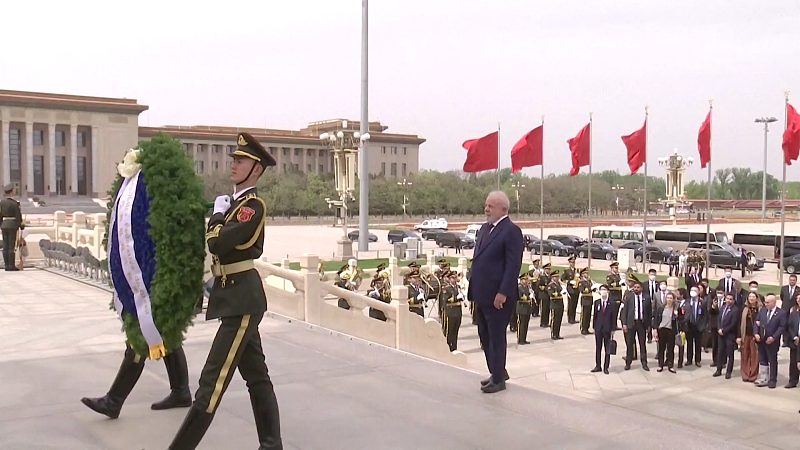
158,351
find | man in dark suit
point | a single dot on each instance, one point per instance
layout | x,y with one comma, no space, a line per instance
696,320
603,324
727,282
496,263
652,294
768,329
636,316
714,304
692,278
788,293
727,330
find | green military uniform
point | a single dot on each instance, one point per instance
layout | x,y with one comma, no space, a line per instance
380,293
412,266
451,297
544,299
523,309
568,277
416,294
534,274
235,238
556,305
343,281
587,301
10,224
614,282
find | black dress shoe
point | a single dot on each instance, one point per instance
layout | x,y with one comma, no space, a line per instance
672,370
713,364
717,374
523,343
605,371
727,376
645,368
790,385
660,369
104,405
489,380
627,367
595,370
697,364
772,385
491,388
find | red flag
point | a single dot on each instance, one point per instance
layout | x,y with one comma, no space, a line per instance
791,136
580,146
481,153
636,143
528,151
704,141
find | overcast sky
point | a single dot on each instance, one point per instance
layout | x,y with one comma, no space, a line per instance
448,70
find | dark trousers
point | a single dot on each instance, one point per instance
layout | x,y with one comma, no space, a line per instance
572,305
694,341
586,317
557,306
666,347
602,340
451,322
794,374
545,319
768,356
636,330
535,306
9,244
418,310
512,321
523,318
492,324
725,349
617,302
715,344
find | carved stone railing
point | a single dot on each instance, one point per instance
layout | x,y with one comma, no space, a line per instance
74,232
303,296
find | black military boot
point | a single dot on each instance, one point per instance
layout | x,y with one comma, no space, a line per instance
192,430
267,416
178,373
127,376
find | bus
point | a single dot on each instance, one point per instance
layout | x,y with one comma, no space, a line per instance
618,236
679,238
765,244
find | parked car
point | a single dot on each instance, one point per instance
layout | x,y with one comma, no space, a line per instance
720,254
790,248
654,252
431,223
353,236
430,234
472,230
568,239
398,235
791,264
550,247
599,251
451,238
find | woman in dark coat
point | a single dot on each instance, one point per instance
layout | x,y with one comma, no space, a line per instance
747,341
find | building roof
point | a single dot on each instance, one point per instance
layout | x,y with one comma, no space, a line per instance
305,136
71,102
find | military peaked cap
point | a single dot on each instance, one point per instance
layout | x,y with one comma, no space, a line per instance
249,147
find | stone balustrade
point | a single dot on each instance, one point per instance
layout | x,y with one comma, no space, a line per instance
75,232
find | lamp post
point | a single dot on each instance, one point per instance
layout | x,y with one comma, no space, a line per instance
345,144
405,185
675,165
617,188
516,187
766,121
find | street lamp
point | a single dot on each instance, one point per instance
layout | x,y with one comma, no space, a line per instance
676,166
516,187
344,144
405,185
766,121
617,188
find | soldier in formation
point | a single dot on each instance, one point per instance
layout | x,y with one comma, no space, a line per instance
10,224
381,291
534,274
614,283
544,298
524,309
570,279
452,298
586,299
343,281
417,294
556,296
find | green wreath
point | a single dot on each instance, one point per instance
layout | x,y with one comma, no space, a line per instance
176,218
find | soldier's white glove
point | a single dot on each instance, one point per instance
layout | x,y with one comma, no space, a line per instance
222,204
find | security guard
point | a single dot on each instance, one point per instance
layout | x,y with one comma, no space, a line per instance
10,223
614,282
523,309
544,299
235,237
416,293
555,294
586,299
453,299
569,277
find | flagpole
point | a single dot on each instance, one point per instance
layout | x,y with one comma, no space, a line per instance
541,200
498,156
783,188
644,201
708,201
589,251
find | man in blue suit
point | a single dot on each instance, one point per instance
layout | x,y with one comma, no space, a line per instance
496,263
768,330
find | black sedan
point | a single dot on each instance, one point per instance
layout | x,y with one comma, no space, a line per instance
451,238
721,255
398,235
791,264
430,234
353,236
599,251
654,252
550,247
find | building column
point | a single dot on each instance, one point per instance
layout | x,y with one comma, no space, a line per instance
209,170
94,162
28,184
4,147
51,158
73,160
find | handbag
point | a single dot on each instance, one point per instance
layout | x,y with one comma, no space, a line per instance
613,349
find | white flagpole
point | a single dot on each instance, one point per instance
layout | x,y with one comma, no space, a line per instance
498,156
589,251
541,202
644,201
708,201
783,189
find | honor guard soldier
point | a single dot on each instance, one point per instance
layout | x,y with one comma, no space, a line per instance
570,279
544,299
523,309
416,293
438,282
10,224
614,282
555,294
379,292
453,299
586,299
343,281
235,237
534,273
412,266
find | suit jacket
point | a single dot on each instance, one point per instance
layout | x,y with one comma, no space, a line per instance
677,318
723,283
496,262
786,299
700,314
691,280
603,321
646,292
793,326
730,323
713,311
774,327
629,311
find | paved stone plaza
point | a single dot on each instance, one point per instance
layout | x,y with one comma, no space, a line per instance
59,342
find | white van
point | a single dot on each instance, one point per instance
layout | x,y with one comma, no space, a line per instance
472,230
439,223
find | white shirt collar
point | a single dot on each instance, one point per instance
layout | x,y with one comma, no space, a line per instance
499,220
236,195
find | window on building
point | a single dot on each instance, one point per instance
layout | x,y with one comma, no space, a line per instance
309,168
383,150
60,138
383,168
394,150
272,151
215,166
321,168
14,149
404,169
310,152
284,167
297,152
285,151
404,151
81,139
216,148
201,148
322,153
38,137
297,167
394,169
198,167
186,147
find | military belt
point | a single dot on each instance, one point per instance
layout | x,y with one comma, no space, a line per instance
223,270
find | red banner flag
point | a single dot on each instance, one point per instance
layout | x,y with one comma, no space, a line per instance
528,151
481,153
704,141
791,136
580,146
636,143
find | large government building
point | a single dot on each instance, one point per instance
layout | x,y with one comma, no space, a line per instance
54,144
